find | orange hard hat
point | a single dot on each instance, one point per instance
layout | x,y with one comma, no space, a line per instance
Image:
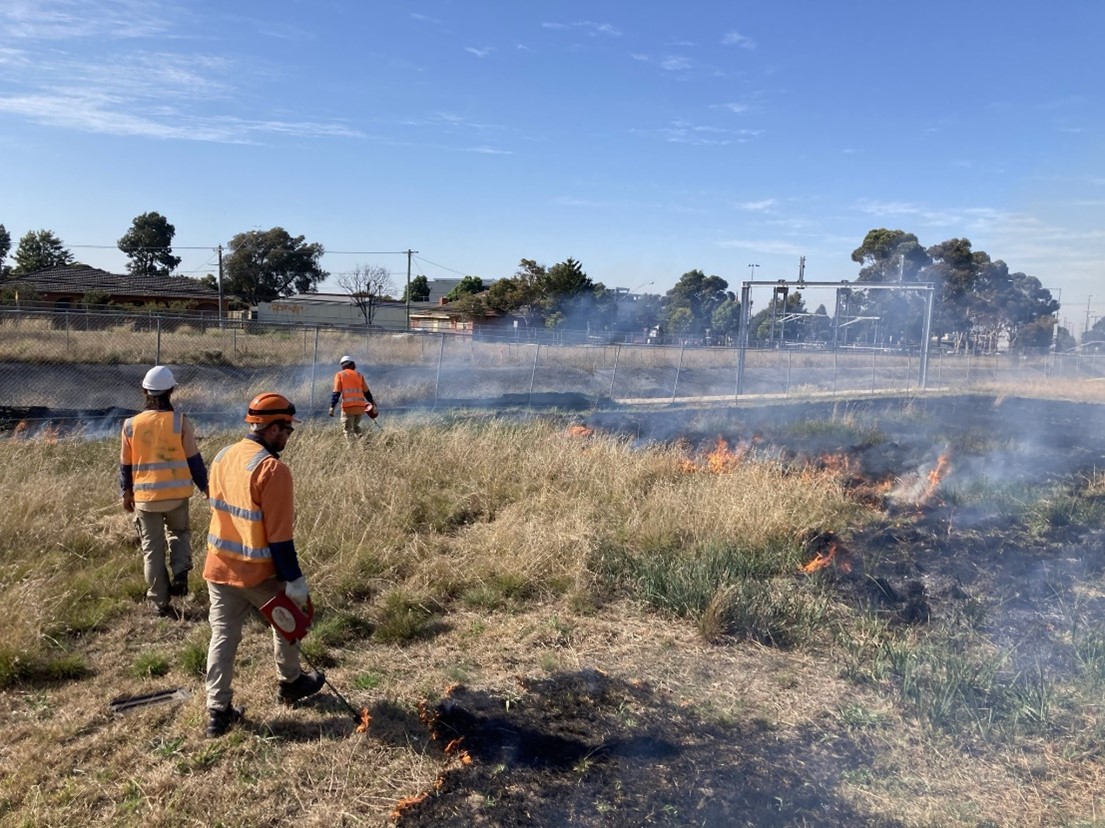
270,408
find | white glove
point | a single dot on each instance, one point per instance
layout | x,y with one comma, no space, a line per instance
297,591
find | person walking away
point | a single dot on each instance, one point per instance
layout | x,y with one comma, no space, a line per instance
158,464
251,555
356,400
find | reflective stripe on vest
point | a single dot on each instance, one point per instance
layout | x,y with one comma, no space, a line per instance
157,450
237,548
352,391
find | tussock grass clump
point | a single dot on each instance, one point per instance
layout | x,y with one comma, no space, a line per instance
426,516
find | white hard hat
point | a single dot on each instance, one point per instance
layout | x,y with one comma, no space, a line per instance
345,359
159,379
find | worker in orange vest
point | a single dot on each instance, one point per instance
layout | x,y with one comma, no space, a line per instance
251,555
158,463
356,400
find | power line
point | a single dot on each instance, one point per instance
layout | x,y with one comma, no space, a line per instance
443,267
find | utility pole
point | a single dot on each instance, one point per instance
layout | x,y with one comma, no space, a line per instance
752,272
220,286
801,269
1086,330
409,254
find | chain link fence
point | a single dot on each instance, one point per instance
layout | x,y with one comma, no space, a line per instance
70,364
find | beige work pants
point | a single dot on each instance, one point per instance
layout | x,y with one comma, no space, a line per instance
156,531
229,608
351,425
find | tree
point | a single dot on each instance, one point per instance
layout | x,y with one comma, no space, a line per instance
888,257
5,248
521,294
471,306
699,296
39,250
726,318
265,265
568,293
366,285
954,274
419,289
148,245
467,285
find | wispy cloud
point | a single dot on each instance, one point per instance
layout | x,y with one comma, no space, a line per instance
480,53
89,113
735,38
761,206
684,132
588,27
676,63
731,107
775,246
85,19
155,94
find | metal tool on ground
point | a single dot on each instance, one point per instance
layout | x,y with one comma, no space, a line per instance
293,623
126,704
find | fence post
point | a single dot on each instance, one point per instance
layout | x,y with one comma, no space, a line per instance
157,361
533,373
314,363
67,331
790,358
835,354
614,373
440,357
874,362
678,369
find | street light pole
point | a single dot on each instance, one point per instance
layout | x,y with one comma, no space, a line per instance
752,272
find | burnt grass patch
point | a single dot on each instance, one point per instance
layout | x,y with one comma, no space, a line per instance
586,748
1004,540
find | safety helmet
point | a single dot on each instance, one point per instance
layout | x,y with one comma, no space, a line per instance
159,379
345,359
268,408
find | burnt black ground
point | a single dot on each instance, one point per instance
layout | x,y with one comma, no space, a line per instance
590,749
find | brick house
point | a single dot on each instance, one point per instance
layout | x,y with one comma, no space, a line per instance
68,286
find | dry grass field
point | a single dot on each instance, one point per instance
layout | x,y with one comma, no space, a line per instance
820,616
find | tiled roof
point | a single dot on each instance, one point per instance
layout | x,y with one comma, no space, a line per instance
84,279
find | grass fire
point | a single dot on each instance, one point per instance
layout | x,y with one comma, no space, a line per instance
883,613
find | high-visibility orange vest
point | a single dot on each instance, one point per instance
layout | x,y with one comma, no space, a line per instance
351,383
157,456
238,552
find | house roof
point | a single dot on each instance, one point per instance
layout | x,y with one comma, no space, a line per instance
84,279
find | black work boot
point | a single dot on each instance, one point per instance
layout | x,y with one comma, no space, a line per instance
306,685
178,588
219,721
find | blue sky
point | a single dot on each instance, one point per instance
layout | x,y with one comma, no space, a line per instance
643,139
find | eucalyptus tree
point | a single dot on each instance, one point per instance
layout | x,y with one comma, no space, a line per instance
149,246
263,265
39,250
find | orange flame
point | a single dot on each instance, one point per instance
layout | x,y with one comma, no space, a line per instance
580,431
827,558
405,803
366,720
20,430
938,472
